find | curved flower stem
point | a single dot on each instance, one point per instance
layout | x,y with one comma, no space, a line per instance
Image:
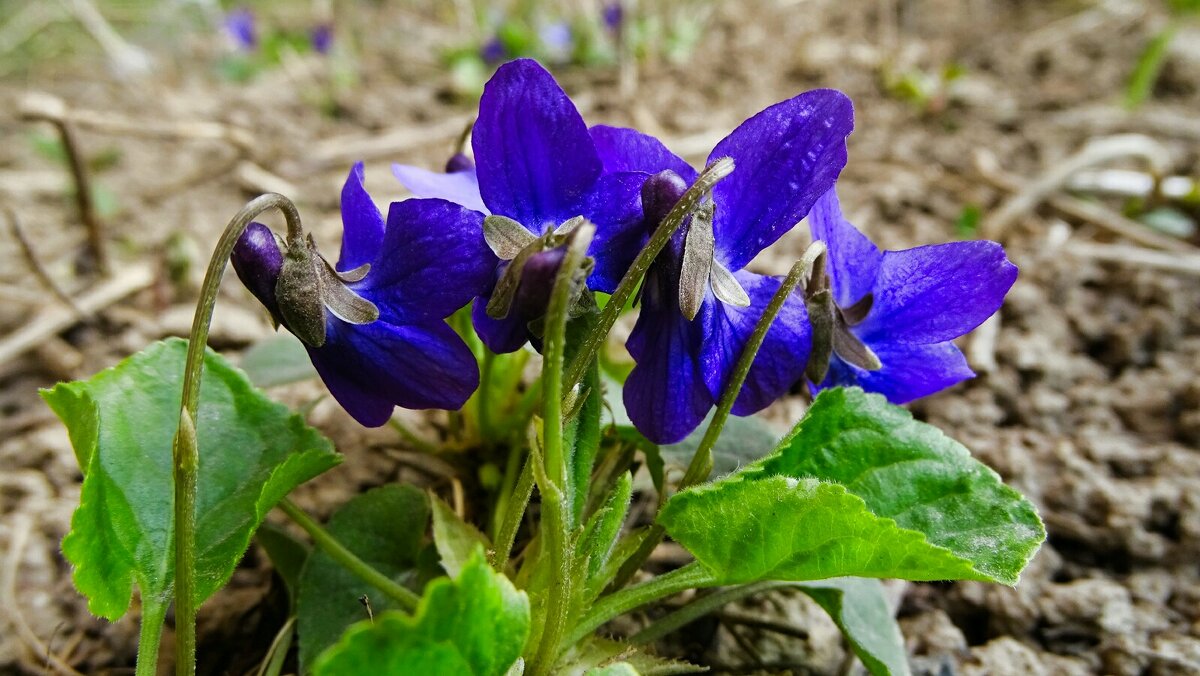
184,448
691,576
553,479
674,220
701,465
699,608
346,558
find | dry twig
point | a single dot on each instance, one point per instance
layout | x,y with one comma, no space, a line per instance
54,111
22,525
989,169
53,320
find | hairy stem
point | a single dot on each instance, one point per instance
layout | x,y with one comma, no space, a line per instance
185,447
555,522
346,558
674,220
702,462
699,608
150,636
691,576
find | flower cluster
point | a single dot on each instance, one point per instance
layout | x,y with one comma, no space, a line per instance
493,229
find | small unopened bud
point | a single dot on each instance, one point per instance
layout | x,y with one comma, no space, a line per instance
258,261
537,281
660,192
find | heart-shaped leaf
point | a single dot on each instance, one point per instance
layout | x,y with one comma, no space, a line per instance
858,489
860,609
475,625
121,422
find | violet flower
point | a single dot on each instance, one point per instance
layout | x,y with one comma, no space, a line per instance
694,322
904,307
320,37
613,16
374,323
537,165
240,25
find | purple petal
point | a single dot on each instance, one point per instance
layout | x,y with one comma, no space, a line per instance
785,157
780,361
499,335
362,223
909,371
434,260
852,261
460,187
240,25
931,294
374,367
623,149
665,393
615,206
535,159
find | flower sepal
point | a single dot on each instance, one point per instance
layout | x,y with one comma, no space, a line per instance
308,286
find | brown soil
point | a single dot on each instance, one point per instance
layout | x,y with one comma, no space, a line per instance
1091,408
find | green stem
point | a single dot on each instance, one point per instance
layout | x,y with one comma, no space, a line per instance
484,404
699,608
691,576
412,437
674,220
701,465
278,651
150,636
555,523
338,552
514,511
185,450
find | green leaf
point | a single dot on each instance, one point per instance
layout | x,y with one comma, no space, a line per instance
596,655
456,539
617,669
278,360
286,553
121,422
384,527
912,472
858,489
860,609
581,437
476,624
1147,68
600,536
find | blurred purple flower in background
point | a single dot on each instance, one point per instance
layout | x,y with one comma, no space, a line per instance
320,37
422,264
613,16
493,51
905,307
240,26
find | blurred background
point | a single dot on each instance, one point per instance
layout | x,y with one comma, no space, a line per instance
131,131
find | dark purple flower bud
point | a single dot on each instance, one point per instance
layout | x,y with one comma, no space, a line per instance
459,163
660,192
240,26
537,280
321,37
258,261
613,15
493,51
